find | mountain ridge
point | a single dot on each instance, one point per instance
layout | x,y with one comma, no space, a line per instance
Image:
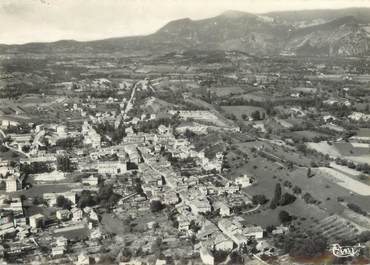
333,32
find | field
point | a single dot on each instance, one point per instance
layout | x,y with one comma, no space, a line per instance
253,96
155,105
79,231
281,152
345,181
324,148
40,109
226,91
306,135
353,152
45,177
238,111
324,190
306,214
359,159
49,188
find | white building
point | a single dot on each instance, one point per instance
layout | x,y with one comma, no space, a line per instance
244,181
57,251
11,184
76,214
63,214
36,220
83,259
112,167
91,181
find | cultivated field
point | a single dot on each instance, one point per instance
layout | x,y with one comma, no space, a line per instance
225,91
345,181
238,111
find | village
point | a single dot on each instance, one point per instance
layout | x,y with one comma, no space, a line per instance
152,167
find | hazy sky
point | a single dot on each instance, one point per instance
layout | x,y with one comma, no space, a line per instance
49,20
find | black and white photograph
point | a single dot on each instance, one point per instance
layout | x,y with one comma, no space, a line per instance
185,132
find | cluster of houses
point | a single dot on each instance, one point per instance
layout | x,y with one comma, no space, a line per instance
143,153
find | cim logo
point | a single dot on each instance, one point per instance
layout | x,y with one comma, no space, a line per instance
346,251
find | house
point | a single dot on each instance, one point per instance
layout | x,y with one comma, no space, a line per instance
61,131
239,233
160,262
183,223
244,181
91,181
330,102
207,230
263,246
76,214
170,197
11,184
37,220
5,169
135,120
222,242
63,214
328,118
7,225
223,207
16,206
61,241
163,129
91,137
96,234
233,230
230,188
83,259
253,231
200,206
111,167
57,251
20,140
5,123
132,153
280,230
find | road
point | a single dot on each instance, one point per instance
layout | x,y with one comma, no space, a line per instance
129,196
129,104
145,86
253,210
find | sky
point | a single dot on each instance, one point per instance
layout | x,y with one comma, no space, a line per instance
23,21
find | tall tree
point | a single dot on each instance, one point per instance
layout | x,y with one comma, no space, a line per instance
277,196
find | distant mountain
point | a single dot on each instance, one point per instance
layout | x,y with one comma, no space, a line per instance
344,32
306,17
231,30
344,36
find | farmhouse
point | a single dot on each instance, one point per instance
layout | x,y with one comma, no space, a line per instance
244,181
